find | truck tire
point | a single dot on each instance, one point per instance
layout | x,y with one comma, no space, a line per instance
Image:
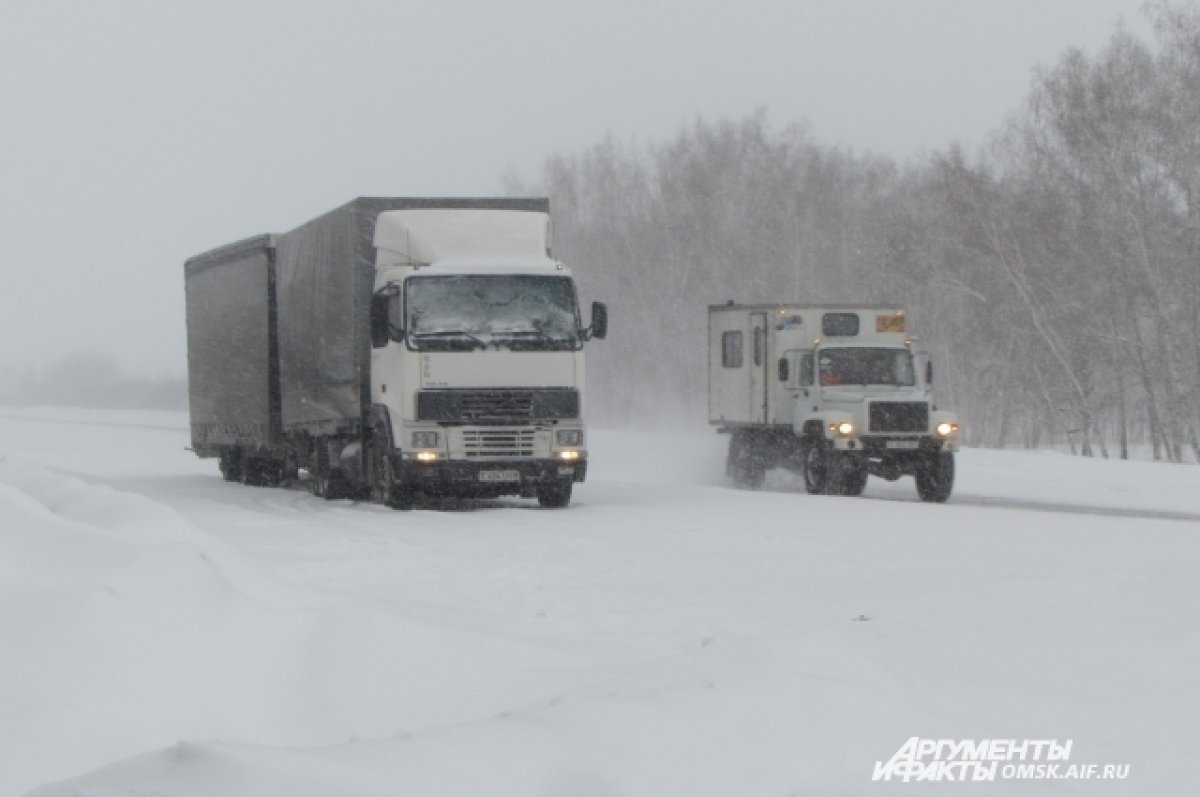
828,471
744,464
328,482
384,488
935,477
555,495
230,463
817,467
853,473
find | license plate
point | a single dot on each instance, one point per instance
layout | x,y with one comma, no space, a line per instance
909,444
499,475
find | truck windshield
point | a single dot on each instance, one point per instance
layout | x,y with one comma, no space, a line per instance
519,312
866,366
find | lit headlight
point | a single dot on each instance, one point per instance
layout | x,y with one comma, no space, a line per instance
568,456
569,437
945,428
425,439
427,456
845,428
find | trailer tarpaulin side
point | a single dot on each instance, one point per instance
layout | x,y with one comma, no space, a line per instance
232,387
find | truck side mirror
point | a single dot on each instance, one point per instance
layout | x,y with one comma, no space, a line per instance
379,320
783,369
599,328
929,373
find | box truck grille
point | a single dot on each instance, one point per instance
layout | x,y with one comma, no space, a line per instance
497,406
498,443
898,416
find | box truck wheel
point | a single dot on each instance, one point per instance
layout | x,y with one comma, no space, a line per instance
935,476
554,495
828,471
854,473
744,464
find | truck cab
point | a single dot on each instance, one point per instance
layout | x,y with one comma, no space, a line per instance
477,372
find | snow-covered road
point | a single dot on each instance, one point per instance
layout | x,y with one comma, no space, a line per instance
164,632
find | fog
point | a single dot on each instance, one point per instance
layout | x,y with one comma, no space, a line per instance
139,133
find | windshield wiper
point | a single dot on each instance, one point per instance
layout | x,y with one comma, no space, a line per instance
444,334
565,341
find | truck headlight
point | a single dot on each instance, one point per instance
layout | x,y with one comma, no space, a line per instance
570,455
424,439
845,428
946,429
569,437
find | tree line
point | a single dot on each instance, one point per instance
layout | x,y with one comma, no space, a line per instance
1054,275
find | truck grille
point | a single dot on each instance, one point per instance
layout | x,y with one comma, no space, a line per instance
497,406
498,443
898,416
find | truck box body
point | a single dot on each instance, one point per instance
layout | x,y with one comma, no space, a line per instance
326,272
233,389
752,346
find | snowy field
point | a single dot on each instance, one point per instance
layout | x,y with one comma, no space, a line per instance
163,632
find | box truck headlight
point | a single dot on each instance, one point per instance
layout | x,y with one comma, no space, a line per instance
426,455
570,455
569,437
946,429
845,428
425,439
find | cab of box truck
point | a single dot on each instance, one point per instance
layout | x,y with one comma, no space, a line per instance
477,370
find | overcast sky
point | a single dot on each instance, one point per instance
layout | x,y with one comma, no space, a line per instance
136,134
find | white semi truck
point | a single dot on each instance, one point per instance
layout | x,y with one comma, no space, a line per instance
832,392
394,348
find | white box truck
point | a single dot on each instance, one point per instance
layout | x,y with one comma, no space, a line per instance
832,392
393,348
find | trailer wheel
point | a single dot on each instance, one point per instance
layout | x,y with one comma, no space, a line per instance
328,482
254,472
230,463
935,476
555,495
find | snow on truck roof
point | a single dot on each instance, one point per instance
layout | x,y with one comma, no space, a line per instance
466,236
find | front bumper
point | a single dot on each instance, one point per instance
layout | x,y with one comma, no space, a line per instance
500,477
891,446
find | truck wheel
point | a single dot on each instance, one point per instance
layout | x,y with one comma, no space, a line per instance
554,496
744,464
935,477
254,472
384,489
817,467
230,463
327,482
854,474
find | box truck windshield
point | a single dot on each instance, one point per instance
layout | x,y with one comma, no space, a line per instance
525,312
866,366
